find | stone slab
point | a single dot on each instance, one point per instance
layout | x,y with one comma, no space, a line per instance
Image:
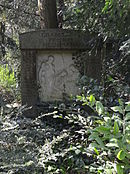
55,39
57,75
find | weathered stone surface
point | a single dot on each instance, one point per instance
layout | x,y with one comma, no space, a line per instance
55,39
29,93
48,71
57,75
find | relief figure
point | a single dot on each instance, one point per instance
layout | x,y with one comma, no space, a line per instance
46,77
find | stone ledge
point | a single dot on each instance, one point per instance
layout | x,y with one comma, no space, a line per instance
55,39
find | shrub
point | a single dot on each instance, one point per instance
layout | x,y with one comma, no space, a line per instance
93,144
7,77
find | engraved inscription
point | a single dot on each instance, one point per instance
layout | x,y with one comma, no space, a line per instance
54,39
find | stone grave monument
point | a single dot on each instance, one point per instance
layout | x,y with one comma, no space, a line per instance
48,69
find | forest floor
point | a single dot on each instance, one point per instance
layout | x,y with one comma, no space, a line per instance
27,145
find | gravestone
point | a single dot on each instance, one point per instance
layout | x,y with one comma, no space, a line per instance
48,69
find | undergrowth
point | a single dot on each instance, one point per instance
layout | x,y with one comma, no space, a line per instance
76,143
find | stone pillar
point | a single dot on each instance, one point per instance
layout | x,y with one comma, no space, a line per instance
29,93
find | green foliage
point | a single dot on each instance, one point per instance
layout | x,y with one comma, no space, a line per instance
7,78
103,17
99,107
118,11
112,142
103,148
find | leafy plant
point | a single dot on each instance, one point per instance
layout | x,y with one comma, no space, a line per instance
9,89
111,139
7,77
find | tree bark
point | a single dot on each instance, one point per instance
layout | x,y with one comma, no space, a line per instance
48,13
60,13
2,39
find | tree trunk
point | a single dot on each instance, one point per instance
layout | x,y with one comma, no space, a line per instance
60,13
2,39
48,13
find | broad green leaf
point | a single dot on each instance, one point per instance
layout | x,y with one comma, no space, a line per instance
127,108
92,100
96,151
72,148
115,140
121,155
85,103
112,145
29,163
93,136
121,102
99,107
100,142
116,128
77,151
127,102
117,109
127,116
100,122
94,145
110,78
103,129
79,97
109,171
78,10
50,168
106,7
119,169
127,154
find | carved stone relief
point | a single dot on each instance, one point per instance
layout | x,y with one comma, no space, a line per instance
56,75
